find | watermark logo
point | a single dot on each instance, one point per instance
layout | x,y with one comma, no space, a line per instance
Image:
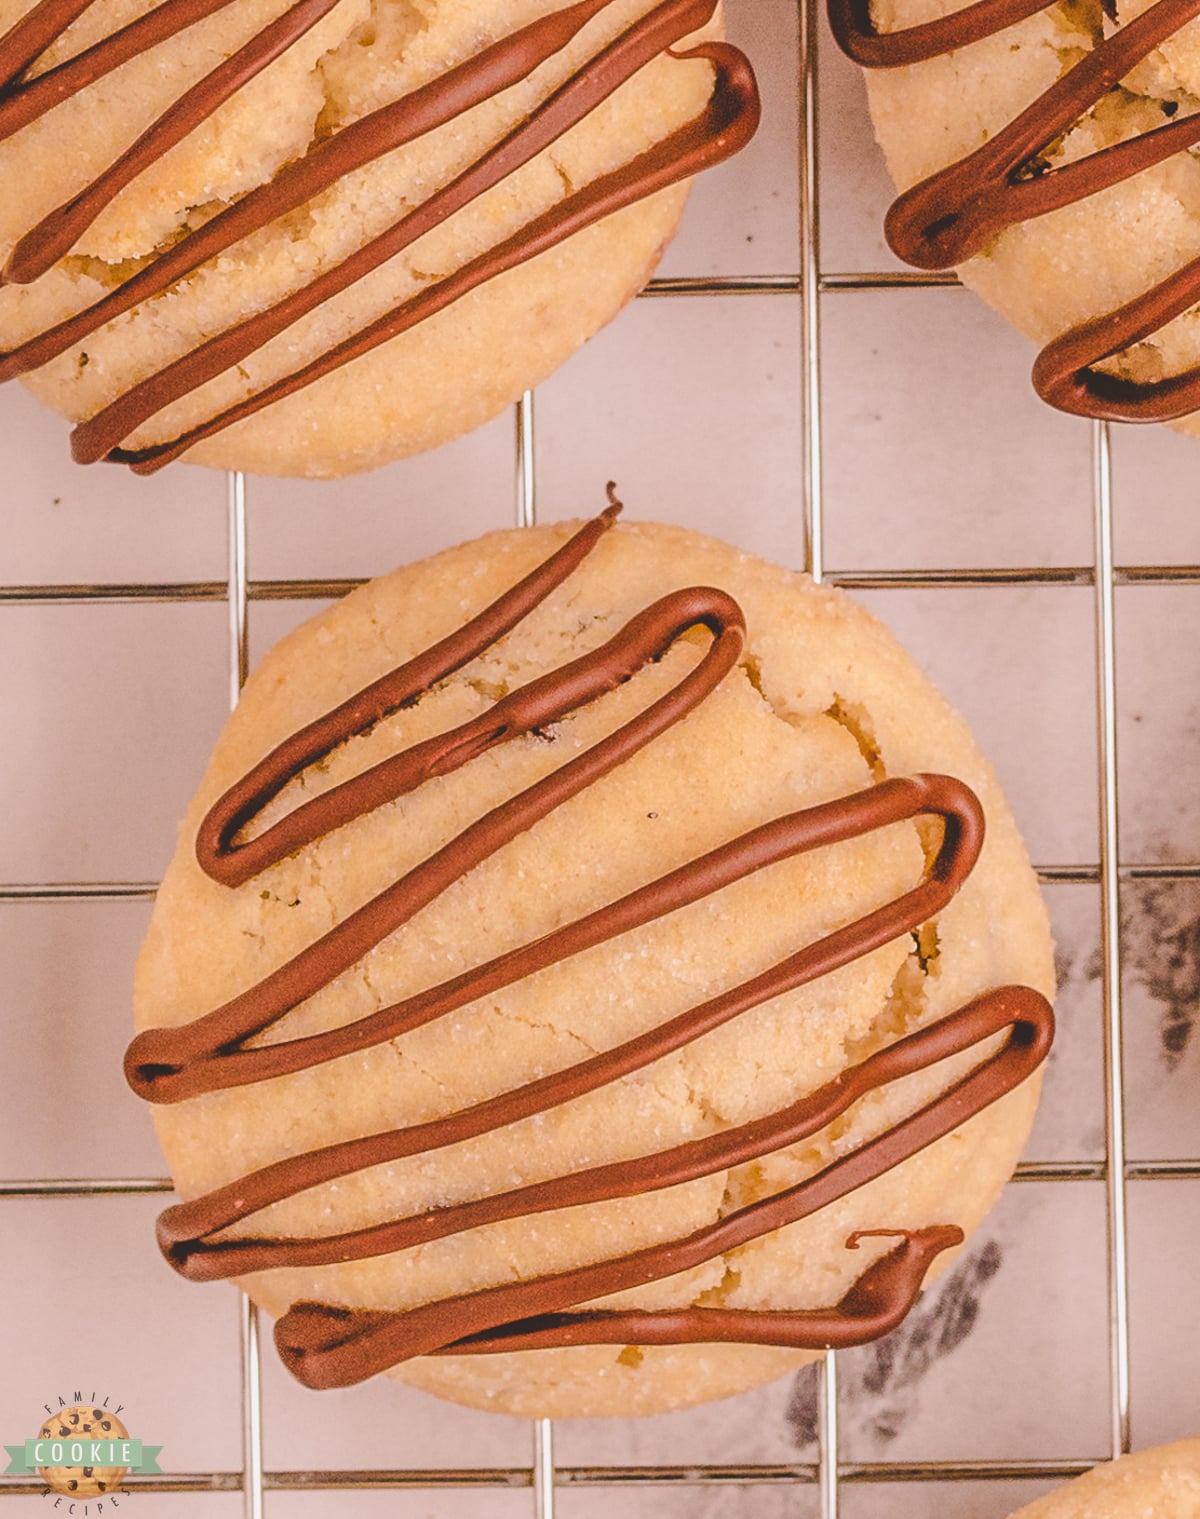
83,1452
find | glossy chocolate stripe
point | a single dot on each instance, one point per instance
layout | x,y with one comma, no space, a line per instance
33,34
721,130
184,1231
875,1304
850,23
196,1058
20,106
54,235
167,1064
330,1347
497,68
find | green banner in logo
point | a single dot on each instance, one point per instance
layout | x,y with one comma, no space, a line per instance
24,1460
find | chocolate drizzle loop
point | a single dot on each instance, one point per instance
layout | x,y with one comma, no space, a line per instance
217,851
185,1231
891,801
850,23
950,216
335,1347
23,103
725,126
876,1302
331,1346
24,42
1063,372
327,1347
166,1065
955,213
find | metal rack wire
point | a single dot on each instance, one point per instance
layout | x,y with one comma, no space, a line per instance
828,1473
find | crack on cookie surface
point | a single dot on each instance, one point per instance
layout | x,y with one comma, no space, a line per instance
854,718
543,1026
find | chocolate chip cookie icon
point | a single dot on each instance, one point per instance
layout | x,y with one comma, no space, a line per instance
73,1433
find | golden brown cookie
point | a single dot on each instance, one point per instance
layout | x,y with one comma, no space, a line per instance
309,238
1045,150
630,927
1163,1482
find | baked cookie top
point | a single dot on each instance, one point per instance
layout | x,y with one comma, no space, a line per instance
493,889
309,238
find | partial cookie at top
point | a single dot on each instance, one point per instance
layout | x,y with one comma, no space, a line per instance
1071,203
482,127
820,704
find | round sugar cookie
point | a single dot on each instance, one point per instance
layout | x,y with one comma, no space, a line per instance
1163,1482
310,238
622,1012
1042,150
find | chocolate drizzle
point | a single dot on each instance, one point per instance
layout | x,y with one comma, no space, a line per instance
953,214
336,1347
726,124
328,1346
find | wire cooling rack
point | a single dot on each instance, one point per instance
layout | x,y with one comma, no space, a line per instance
543,1477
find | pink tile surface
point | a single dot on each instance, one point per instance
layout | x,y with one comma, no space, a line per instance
170,1360
1166,1320
916,1500
111,713
453,1503
66,969
630,406
933,459
1016,662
